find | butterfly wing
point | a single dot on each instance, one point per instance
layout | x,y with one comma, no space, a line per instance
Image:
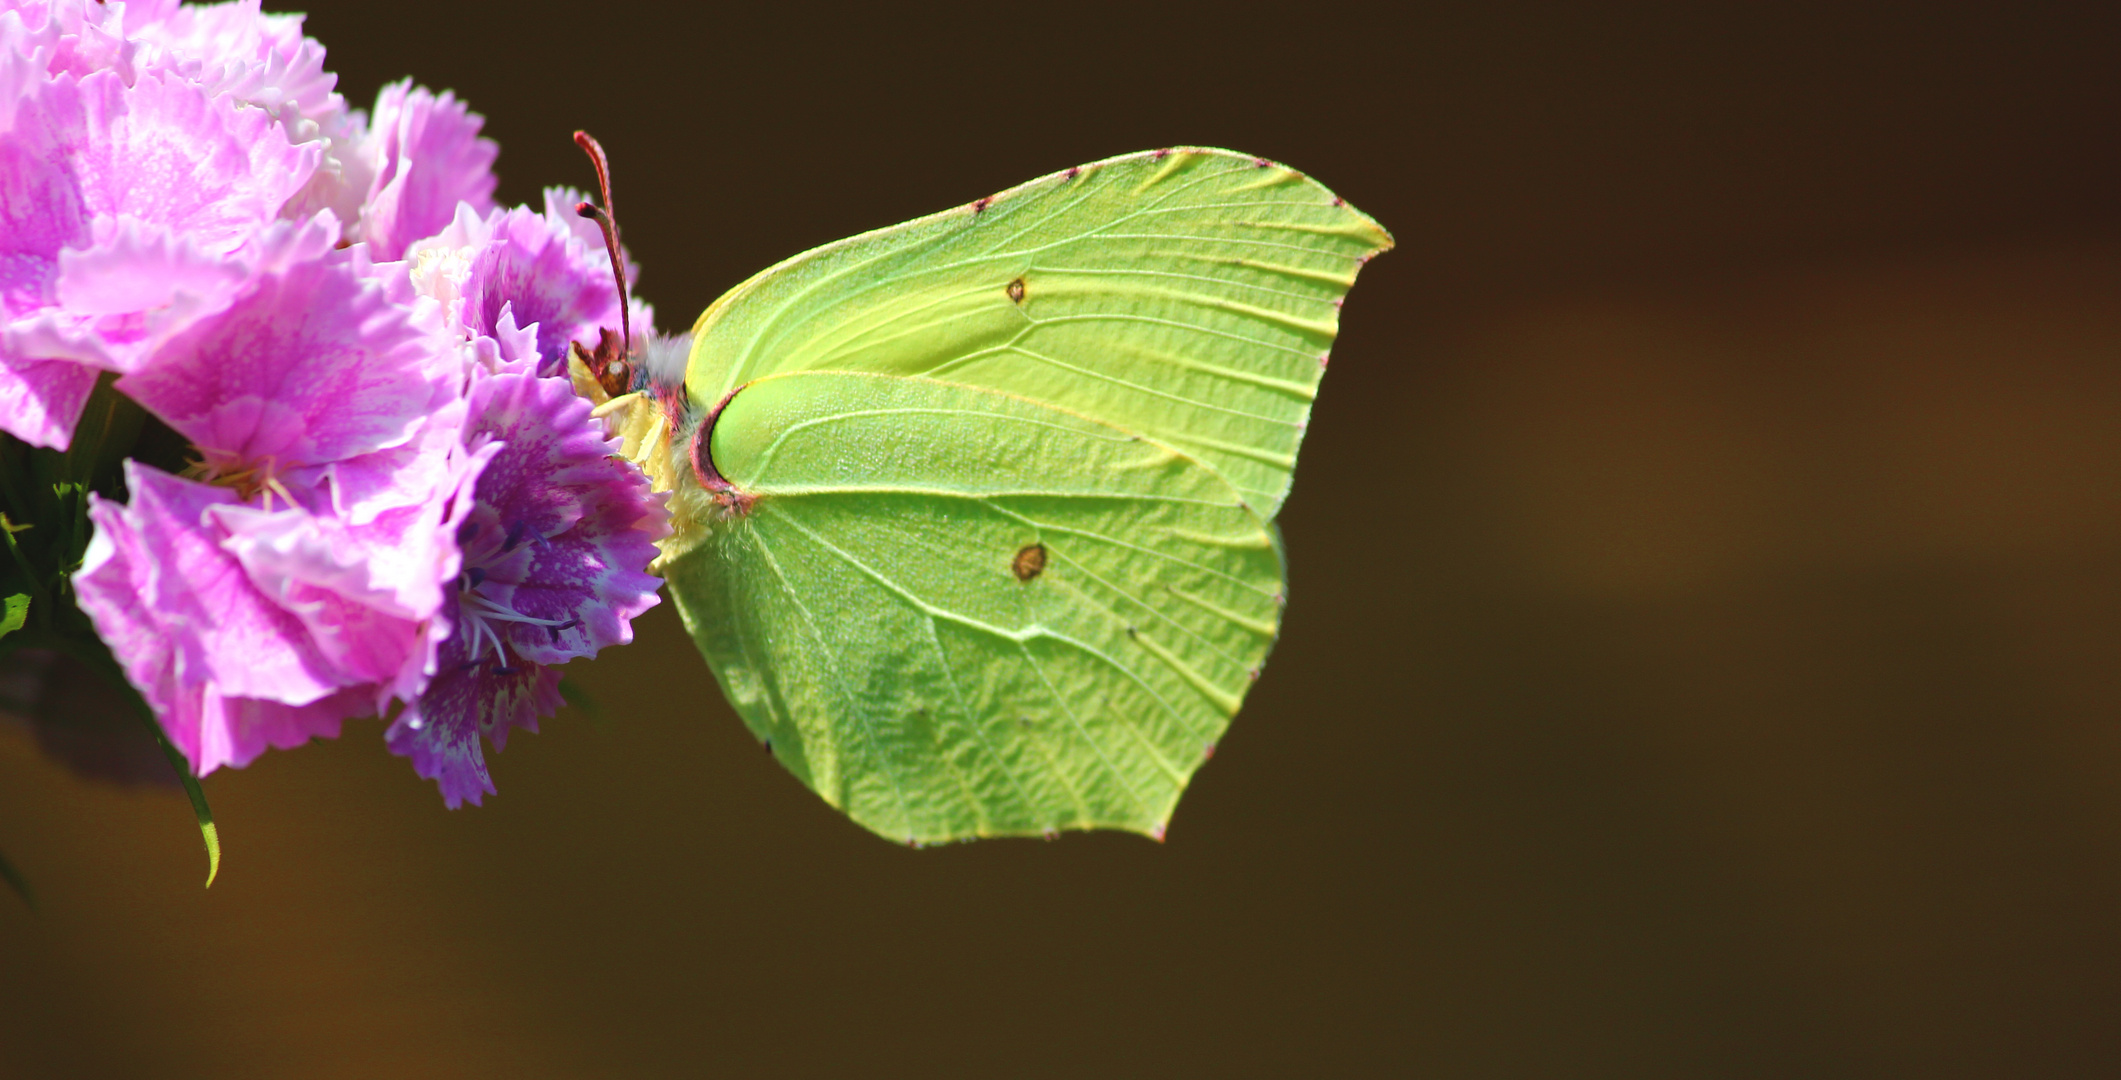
1189,295
996,553
954,612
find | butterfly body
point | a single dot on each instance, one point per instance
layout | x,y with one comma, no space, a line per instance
973,516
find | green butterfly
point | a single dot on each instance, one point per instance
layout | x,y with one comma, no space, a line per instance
974,515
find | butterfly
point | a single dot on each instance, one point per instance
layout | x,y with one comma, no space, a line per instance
973,516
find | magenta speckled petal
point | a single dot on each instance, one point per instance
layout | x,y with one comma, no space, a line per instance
469,697
122,199
135,286
561,531
164,152
78,37
41,400
222,626
235,730
310,366
554,549
542,268
238,50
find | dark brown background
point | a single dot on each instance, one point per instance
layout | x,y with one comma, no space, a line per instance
1705,648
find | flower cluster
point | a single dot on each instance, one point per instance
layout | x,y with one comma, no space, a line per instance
394,500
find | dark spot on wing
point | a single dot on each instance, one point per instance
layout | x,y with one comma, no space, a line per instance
1073,172
982,204
1030,562
1016,291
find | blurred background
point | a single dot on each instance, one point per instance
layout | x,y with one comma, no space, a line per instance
1704,656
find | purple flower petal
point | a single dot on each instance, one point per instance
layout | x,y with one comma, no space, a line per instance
467,698
542,268
41,400
371,595
71,37
522,270
164,152
121,195
312,365
229,671
427,157
237,50
561,531
554,550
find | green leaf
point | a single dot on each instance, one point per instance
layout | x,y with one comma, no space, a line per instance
203,814
954,612
15,614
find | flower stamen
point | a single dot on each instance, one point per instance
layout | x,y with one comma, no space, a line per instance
478,610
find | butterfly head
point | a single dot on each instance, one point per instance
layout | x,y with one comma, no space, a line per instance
637,385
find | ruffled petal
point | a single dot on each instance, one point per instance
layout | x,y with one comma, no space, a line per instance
543,268
122,206
469,697
227,670
41,400
165,152
238,50
562,531
426,157
310,366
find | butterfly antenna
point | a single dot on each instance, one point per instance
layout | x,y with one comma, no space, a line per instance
606,217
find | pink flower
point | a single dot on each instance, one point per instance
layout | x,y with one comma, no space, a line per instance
122,208
296,577
426,157
228,669
514,269
330,310
555,547
238,50
310,367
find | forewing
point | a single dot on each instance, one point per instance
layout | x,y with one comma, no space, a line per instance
1189,295
955,612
